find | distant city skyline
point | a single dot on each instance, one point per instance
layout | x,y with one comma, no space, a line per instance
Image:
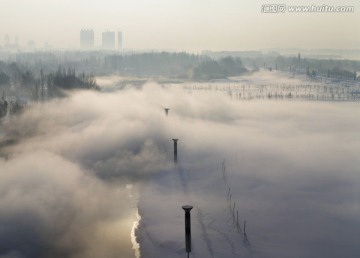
181,25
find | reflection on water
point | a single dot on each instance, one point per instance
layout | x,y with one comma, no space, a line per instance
136,245
133,206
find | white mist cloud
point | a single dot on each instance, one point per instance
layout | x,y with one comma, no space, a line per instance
50,207
54,203
292,167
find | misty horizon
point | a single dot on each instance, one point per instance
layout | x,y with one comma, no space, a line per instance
224,25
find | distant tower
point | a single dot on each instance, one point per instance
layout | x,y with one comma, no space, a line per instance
87,38
108,40
120,46
187,209
17,40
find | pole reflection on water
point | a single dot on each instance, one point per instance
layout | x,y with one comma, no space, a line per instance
133,201
135,244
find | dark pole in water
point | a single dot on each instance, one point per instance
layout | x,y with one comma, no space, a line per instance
175,150
166,111
187,209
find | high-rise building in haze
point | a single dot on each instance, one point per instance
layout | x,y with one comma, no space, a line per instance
120,40
87,38
108,40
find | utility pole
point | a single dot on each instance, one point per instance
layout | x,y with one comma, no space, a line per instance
187,209
175,150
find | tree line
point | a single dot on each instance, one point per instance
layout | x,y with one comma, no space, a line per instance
20,85
312,67
179,65
22,79
173,65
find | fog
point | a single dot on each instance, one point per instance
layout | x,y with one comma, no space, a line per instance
293,172
65,167
52,208
292,167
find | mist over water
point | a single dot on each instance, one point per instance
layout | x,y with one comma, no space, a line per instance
293,172
64,173
292,166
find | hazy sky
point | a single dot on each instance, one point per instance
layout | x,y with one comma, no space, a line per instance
192,25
